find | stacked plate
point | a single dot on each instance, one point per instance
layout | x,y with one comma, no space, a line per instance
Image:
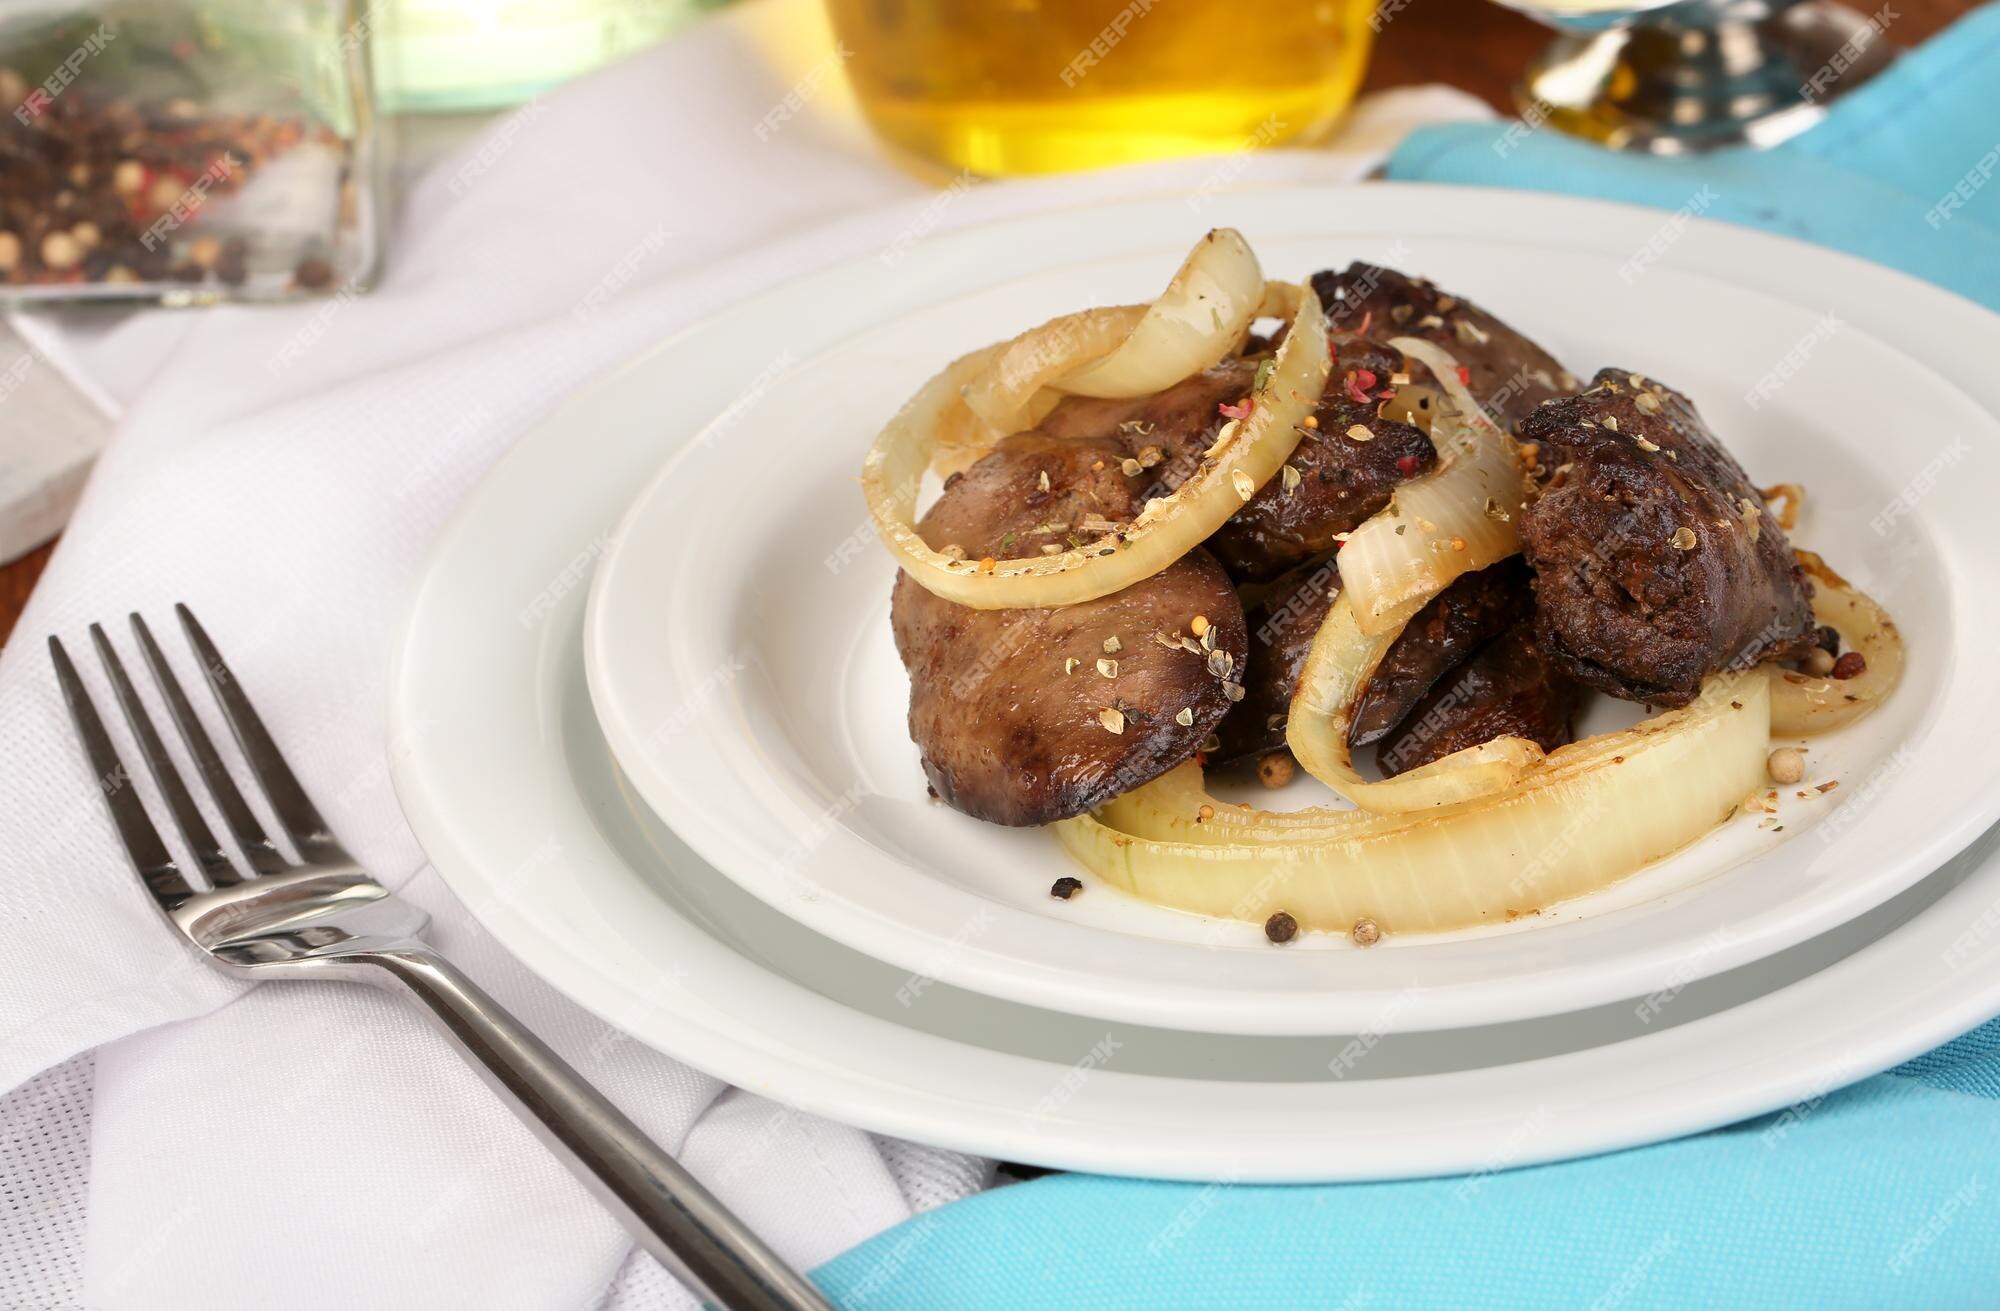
664,755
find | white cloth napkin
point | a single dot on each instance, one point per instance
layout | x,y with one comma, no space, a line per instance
176,1141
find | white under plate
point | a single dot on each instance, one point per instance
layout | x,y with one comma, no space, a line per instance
740,658
512,791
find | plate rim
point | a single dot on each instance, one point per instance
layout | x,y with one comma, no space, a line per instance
992,963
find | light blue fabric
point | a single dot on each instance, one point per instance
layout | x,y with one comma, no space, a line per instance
1876,1197
1873,178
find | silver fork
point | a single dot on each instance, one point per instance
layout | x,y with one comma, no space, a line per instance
326,918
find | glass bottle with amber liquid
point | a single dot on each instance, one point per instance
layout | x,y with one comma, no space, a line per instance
1038,86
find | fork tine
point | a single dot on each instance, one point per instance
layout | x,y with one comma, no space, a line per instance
215,862
294,809
263,854
142,841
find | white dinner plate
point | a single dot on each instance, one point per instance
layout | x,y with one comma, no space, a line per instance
740,659
508,781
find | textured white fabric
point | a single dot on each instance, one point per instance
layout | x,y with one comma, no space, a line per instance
285,472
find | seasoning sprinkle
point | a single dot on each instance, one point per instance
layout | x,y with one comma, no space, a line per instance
1185,718
1220,663
1683,538
1611,422
1112,646
1108,668
1044,480
1112,718
1130,467
1245,488
1289,478
1751,513
1644,445
1069,665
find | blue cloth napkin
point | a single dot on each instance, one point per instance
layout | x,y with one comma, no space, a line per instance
1878,1198
1904,171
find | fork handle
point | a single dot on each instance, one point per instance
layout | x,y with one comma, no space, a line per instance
671,1214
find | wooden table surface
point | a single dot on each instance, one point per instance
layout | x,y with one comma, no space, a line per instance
1473,44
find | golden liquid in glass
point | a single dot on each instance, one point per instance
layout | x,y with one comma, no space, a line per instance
1040,86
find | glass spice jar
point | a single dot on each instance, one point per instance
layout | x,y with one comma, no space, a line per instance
186,151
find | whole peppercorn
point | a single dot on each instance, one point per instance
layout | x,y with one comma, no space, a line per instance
1276,769
1064,888
1281,927
1366,933
61,251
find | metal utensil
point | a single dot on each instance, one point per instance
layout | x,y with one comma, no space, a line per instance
324,917
1676,77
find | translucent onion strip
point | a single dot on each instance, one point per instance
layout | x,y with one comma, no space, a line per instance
1246,454
1584,822
1004,395
1342,660
1459,517
1802,704
1200,320
961,435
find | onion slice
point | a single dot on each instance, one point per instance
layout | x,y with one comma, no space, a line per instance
1200,320
1802,704
1004,396
1461,516
1598,810
1342,660
1246,454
